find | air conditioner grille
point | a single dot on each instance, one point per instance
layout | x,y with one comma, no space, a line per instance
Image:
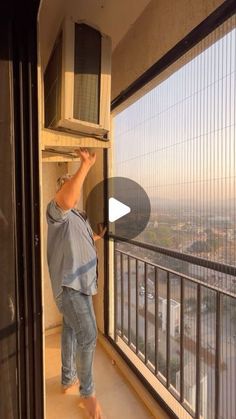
87,73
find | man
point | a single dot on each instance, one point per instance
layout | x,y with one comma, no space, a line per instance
72,261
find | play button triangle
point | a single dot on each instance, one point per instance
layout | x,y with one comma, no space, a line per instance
117,209
125,211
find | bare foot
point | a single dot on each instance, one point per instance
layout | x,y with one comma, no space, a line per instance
66,388
92,407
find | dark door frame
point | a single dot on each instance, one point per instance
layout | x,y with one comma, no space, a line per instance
20,20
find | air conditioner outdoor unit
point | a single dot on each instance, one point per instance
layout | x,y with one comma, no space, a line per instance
77,81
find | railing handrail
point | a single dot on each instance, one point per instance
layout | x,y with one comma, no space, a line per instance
179,274
195,260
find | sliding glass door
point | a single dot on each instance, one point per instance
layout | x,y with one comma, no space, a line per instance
8,330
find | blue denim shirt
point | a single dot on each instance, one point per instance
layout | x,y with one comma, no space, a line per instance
71,251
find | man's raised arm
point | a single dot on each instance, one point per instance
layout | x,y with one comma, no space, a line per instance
69,194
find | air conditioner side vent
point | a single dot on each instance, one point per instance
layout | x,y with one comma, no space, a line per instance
52,85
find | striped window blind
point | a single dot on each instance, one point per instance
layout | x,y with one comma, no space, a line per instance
178,141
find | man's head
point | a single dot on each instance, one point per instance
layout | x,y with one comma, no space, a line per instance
61,180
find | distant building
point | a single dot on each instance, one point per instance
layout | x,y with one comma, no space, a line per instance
231,234
199,246
178,226
174,315
155,224
219,231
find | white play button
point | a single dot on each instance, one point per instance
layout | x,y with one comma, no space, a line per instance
117,209
125,212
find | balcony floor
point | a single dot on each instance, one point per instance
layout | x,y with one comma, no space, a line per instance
117,398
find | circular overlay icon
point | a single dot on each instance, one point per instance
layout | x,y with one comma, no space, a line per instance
121,205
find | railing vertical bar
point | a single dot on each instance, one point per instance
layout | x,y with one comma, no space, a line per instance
182,292
168,333
145,314
115,293
156,320
198,353
217,357
129,302
137,309
122,293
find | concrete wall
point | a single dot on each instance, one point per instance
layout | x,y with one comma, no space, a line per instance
159,28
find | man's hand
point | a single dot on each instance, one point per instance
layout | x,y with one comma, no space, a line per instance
86,157
101,234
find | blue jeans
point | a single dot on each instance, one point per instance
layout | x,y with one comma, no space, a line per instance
78,341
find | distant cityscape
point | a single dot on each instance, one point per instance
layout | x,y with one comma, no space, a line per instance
209,236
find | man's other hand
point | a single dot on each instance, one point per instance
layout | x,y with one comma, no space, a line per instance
101,234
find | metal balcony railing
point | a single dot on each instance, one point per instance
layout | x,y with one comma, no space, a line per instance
182,328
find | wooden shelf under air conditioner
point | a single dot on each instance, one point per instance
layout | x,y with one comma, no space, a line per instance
60,146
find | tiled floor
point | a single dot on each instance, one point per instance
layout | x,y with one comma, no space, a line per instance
117,398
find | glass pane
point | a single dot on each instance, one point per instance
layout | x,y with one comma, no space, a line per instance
133,300
140,308
190,343
125,295
118,288
175,306
208,353
151,314
228,358
162,322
